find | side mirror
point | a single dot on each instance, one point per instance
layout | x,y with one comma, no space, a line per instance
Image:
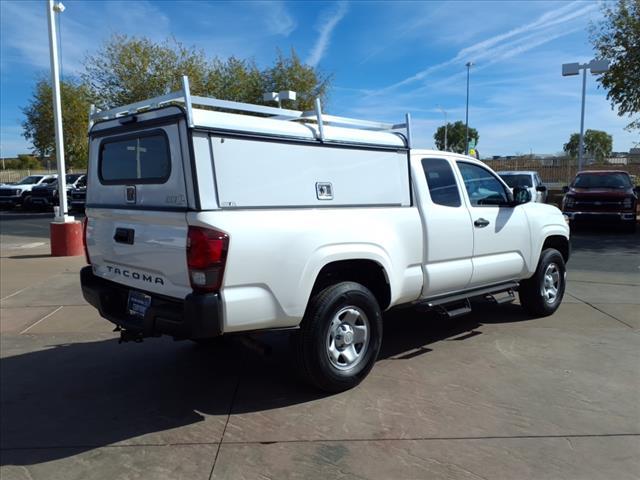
521,195
565,189
541,188
637,190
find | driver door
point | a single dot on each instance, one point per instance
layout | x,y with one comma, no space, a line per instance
501,237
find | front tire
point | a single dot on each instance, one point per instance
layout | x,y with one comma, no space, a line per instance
542,294
340,337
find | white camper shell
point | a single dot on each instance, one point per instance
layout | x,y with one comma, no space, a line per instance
207,217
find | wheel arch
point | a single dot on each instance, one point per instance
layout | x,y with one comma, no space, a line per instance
365,271
560,243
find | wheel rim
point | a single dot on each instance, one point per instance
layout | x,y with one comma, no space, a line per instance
348,338
551,283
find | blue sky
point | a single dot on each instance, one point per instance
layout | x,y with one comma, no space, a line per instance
387,58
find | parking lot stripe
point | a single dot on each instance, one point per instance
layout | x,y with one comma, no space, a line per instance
43,318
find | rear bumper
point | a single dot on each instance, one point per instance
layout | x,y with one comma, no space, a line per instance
603,217
197,316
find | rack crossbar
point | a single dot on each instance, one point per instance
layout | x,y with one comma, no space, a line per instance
273,113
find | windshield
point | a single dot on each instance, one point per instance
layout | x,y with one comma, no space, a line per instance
602,180
30,180
517,180
72,177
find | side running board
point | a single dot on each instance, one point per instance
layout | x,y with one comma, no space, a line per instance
458,304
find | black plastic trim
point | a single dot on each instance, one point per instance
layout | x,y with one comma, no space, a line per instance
197,316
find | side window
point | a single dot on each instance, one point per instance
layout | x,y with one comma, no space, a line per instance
441,182
482,186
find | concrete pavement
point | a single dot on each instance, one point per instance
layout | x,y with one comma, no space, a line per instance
495,394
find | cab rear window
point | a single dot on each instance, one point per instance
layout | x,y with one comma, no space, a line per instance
140,158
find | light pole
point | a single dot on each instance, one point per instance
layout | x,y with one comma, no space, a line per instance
570,69
446,126
466,120
279,96
52,9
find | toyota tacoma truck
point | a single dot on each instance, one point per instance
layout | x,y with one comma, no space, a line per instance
207,217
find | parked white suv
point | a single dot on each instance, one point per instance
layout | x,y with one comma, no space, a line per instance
202,223
526,179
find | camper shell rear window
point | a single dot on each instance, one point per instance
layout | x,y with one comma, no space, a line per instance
135,159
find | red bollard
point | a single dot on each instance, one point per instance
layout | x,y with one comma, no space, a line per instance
66,239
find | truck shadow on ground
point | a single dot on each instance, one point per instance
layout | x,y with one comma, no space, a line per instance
67,398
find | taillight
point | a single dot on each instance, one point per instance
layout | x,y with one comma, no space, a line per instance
84,239
206,258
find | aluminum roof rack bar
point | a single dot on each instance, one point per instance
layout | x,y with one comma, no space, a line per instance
138,106
190,102
186,93
245,107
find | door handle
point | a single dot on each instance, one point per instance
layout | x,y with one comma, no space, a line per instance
481,223
124,235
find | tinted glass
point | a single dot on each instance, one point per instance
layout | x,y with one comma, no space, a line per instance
49,181
135,159
517,180
602,180
72,177
482,186
441,182
29,180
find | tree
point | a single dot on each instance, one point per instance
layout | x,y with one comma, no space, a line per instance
129,69
38,127
597,144
455,136
617,39
289,73
126,70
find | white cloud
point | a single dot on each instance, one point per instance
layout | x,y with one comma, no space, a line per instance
277,18
326,29
499,46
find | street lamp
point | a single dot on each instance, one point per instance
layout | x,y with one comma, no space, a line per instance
54,8
466,121
446,125
570,69
279,96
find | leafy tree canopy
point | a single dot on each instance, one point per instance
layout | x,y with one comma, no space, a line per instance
617,39
38,125
455,137
597,144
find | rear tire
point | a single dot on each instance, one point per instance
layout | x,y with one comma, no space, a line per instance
340,337
542,294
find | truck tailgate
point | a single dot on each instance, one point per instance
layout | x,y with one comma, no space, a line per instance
144,252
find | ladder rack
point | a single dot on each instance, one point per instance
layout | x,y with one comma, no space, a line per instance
184,97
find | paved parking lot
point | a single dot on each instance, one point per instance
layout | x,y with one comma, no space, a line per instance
493,395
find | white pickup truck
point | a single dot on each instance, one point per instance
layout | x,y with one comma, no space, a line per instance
203,223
